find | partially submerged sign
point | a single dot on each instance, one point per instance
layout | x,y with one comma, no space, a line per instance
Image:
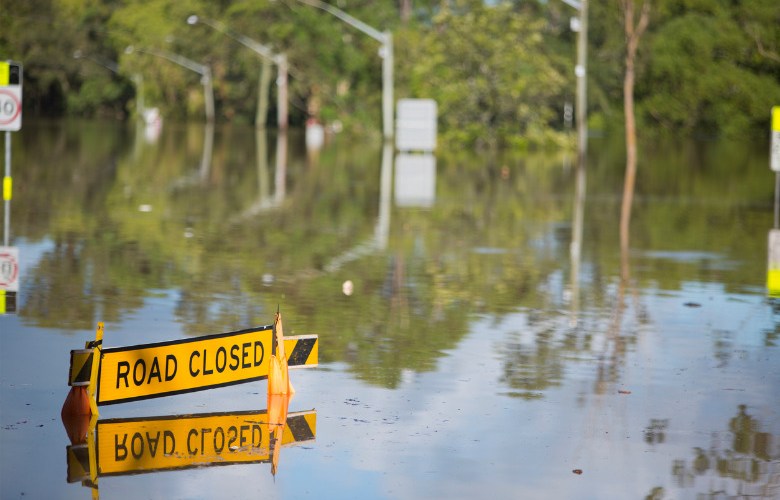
10,96
773,267
151,370
416,127
9,279
140,445
165,368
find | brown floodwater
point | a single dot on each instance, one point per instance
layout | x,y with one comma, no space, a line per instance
480,330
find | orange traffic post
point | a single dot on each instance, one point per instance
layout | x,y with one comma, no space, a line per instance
278,377
80,400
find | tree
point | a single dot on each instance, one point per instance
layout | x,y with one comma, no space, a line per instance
634,29
489,67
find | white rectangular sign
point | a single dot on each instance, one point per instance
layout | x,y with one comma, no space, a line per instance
416,125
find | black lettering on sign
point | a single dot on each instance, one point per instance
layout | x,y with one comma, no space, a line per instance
200,440
168,373
122,370
194,373
190,449
120,450
206,371
137,438
219,433
232,430
221,366
169,438
155,371
245,354
136,379
139,443
234,357
139,371
258,362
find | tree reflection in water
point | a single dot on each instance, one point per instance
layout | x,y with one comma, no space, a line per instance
747,459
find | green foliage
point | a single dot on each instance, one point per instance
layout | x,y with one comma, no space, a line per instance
704,71
491,72
501,71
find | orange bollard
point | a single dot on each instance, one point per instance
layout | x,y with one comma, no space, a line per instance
278,377
277,419
76,414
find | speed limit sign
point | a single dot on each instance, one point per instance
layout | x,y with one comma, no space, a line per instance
10,96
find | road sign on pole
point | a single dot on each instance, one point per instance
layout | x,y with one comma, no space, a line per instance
10,96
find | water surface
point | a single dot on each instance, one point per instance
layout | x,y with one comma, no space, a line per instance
492,339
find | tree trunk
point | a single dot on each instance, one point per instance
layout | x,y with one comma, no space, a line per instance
406,11
633,33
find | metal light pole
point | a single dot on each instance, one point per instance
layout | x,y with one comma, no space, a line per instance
263,51
203,70
138,80
581,70
385,52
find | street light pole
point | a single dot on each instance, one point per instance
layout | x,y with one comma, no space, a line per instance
138,80
385,52
266,53
581,71
582,83
203,70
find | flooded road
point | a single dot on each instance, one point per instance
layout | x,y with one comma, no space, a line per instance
480,331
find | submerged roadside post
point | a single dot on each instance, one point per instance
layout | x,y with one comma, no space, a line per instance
773,267
10,121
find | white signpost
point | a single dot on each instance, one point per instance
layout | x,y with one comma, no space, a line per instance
10,121
775,149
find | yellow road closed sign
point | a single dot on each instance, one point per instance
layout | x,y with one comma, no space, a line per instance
175,367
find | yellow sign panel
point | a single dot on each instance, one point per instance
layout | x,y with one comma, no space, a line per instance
152,370
302,351
4,72
776,119
130,446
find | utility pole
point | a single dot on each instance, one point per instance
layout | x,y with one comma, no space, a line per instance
385,52
264,52
581,71
203,70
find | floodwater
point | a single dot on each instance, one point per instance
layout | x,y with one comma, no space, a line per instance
480,330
